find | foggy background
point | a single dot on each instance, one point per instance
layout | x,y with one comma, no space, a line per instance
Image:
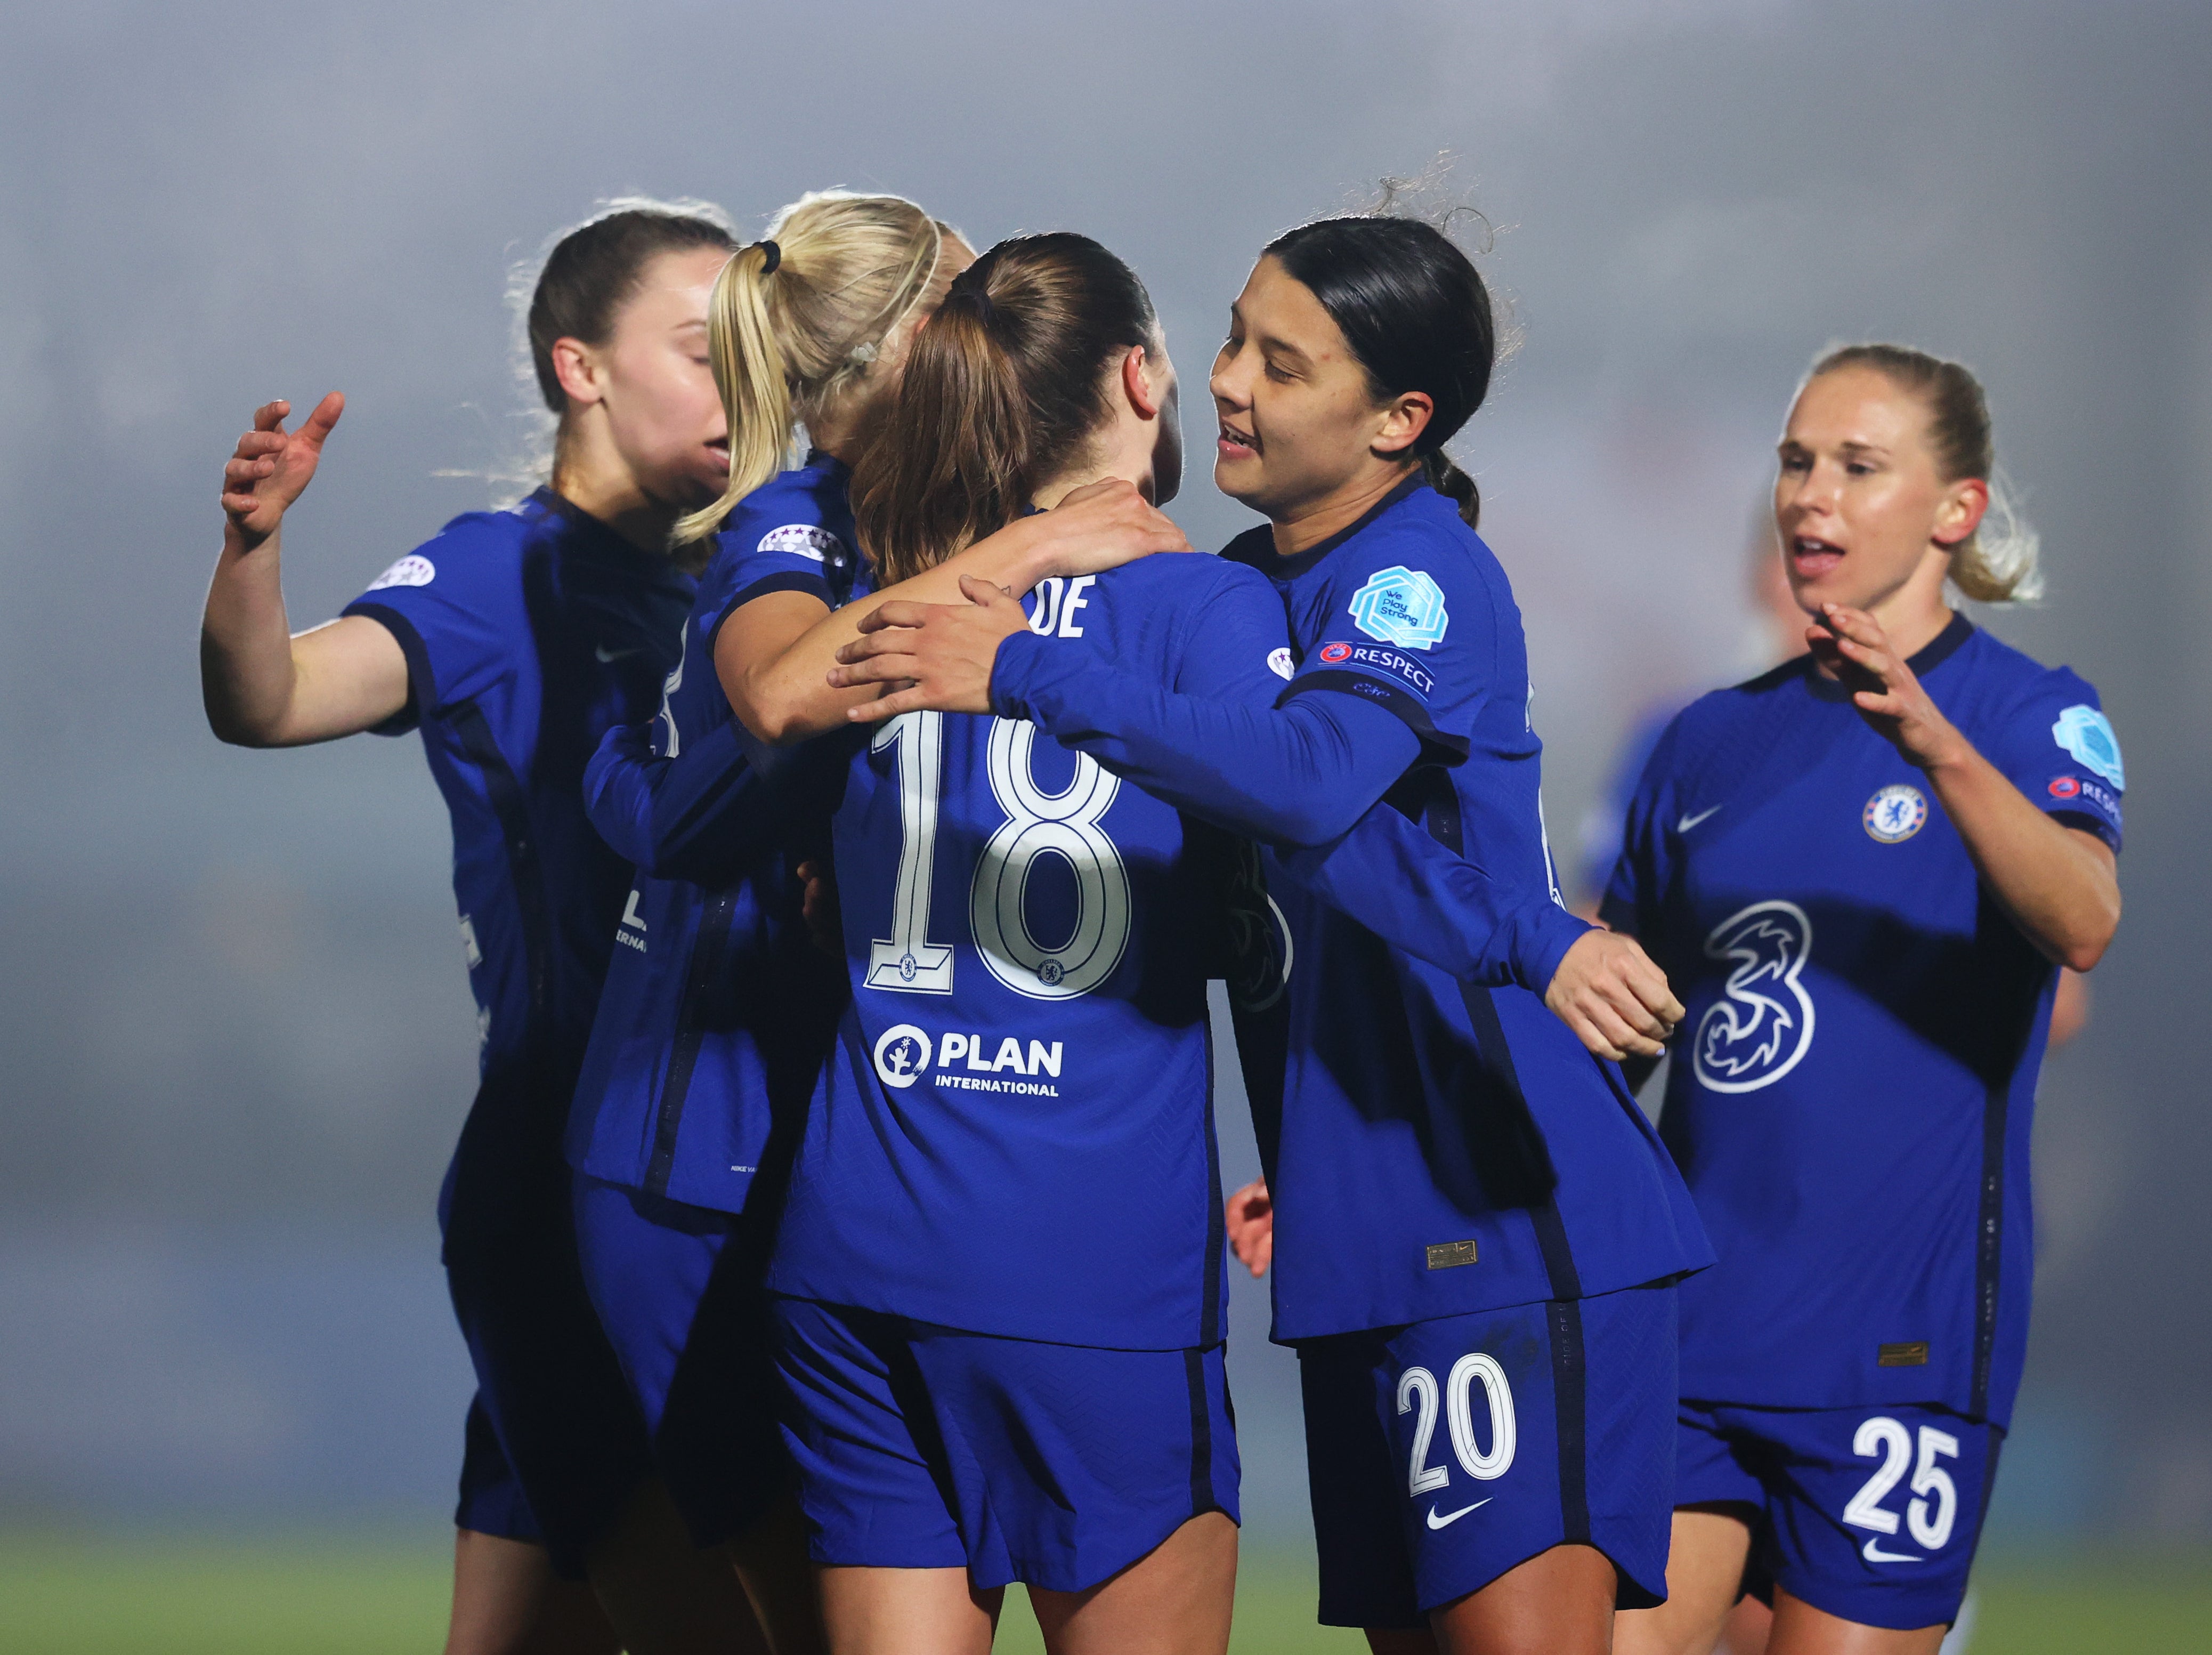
235,1037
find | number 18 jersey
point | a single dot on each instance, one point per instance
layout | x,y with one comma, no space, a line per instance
1014,1135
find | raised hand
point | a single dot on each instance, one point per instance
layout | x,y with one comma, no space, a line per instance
1100,527
936,655
1608,991
270,466
1883,688
1249,1215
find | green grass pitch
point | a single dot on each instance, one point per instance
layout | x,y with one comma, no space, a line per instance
324,1595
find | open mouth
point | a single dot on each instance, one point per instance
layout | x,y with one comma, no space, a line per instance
1811,558
721,449
1234,444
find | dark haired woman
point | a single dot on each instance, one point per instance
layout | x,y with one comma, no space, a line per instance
1477,1232
1866,868
512,641
1025,1054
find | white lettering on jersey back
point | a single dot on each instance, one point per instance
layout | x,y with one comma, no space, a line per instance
1075,600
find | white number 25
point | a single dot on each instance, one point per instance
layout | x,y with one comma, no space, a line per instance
1930,1520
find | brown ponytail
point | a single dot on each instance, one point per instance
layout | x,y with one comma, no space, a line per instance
1005,387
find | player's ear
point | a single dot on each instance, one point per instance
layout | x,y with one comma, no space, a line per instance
1961,514
576,365
1404,417
1136,382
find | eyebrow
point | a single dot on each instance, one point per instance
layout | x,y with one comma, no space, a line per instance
1268,342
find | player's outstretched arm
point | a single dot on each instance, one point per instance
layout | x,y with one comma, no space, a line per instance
2060,884
1391,875
775,670
262,686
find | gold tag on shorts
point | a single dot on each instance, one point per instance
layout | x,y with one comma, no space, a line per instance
1449,1255
1911,1353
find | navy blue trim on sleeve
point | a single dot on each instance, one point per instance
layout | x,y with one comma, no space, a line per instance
792,580
1452,749
2089,824
420,679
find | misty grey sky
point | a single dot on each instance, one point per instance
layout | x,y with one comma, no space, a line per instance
232,984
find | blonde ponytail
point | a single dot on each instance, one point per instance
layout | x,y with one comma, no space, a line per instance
797,319
2000,563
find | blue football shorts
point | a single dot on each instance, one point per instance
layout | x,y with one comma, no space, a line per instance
923,1447
1444,1453
678,1289
555,1446
1869,1513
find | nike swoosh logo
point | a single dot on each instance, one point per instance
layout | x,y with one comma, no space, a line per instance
1874,1553
1436,1522
1688,822
609,657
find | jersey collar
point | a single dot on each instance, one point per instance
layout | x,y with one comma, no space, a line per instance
1922,661
589,535
1260,552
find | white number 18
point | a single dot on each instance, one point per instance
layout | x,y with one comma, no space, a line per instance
1064,824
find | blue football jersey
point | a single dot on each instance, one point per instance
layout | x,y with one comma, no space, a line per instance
1015,1133
1444,1148
528,634
1851,1093
718,1010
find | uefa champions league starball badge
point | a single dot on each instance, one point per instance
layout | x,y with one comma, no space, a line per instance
1895,814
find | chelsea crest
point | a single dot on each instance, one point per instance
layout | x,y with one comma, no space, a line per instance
1895,813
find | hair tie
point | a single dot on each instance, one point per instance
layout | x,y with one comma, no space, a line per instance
771,256
863,352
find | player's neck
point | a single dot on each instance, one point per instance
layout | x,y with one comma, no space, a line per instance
1913,615
1304,526
596,481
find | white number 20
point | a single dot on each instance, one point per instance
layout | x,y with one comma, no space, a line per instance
1930,1521
1417,1388
1064,824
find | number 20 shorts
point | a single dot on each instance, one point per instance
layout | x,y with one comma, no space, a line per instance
1444,1453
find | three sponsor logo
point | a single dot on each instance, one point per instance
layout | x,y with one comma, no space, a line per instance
1761,1027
